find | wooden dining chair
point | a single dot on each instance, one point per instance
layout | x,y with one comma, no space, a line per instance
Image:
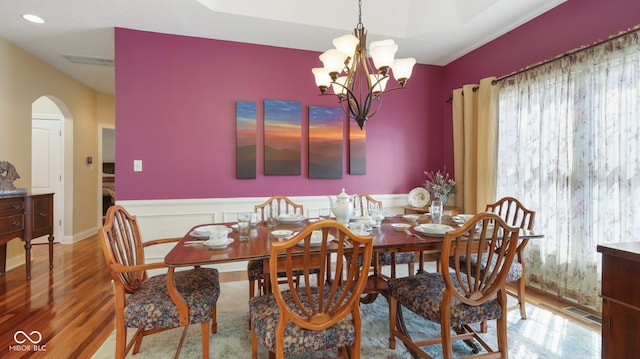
255,268
154,304
281,204
517,215
316,315
361,203
455,299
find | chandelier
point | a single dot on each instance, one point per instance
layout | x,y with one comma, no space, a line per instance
357,81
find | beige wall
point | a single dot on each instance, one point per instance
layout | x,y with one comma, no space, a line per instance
23,79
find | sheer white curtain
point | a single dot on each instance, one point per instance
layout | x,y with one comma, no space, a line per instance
569,148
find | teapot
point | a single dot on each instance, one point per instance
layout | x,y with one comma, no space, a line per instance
342,207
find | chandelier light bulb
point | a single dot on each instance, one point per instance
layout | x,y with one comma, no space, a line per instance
333,61
346,44
382,53
339,86
378,83
402,69
321,75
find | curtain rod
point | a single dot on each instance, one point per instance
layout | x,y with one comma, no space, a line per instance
566,54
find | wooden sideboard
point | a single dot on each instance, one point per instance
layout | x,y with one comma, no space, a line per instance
26,217
620,299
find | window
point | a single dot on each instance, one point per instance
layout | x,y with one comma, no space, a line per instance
569,148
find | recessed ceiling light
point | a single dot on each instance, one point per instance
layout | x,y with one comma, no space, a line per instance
33,18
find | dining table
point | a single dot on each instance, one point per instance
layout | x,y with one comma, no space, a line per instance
190,250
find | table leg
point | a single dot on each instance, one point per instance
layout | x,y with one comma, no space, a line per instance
421,263
3,258
50,252
27,257
402,328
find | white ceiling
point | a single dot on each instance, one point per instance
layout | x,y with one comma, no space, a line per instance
433,31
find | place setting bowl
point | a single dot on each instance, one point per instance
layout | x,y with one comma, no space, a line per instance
399,227
411,217
281,234
461,218
204,232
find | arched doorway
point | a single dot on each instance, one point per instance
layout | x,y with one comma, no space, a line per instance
52,161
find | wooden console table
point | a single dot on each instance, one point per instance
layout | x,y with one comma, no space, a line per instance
26,217
620,299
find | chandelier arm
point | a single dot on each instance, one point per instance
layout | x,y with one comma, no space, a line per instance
350,94
389,90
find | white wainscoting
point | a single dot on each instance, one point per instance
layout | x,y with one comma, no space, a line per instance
173,218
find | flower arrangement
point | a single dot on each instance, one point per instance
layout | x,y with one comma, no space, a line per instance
439,184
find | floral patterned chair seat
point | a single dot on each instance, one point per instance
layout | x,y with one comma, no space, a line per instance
423,293
265,314
151,306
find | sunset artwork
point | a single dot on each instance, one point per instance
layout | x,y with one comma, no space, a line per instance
245,140
282,138
357,149
325,142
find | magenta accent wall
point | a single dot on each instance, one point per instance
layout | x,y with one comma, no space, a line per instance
175,111
175,100
571,25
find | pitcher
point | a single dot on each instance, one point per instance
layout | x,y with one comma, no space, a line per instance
342,207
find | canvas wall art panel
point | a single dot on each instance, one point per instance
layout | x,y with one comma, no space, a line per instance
282,138
326,126
245,140
357,149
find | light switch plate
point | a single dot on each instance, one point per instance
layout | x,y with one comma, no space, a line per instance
137,165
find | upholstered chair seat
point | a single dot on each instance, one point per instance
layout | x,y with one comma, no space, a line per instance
151,306
423,293
265,314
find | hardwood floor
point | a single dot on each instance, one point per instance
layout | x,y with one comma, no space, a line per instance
72,305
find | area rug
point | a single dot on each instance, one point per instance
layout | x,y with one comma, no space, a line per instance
543,335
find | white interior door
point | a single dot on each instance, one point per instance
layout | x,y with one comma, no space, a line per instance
46,167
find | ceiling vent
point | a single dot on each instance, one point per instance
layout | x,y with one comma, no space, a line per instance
89,60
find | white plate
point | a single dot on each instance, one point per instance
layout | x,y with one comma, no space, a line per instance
218,246
419,197
290,219
433,229
316,239
204,236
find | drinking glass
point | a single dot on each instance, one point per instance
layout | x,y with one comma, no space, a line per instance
243,225
436,211
324,213
375,212
271,216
